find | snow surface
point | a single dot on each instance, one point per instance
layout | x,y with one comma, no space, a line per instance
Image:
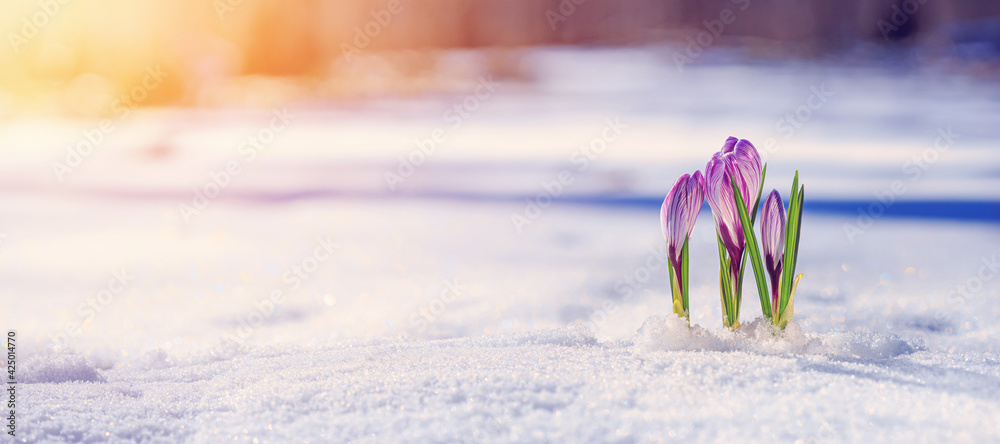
434,318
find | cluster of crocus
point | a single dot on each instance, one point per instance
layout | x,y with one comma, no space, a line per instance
732,184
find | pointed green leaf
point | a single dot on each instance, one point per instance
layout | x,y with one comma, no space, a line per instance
754,251
798,226
793,232
763,173
792,244
789,253
685,283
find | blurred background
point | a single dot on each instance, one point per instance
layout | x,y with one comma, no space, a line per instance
74,58
521,147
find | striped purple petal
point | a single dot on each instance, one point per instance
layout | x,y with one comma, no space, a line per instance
772,231
737,159
744,165
719,194
680,211
729,145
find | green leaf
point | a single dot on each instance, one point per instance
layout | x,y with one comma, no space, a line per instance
798,226
685,283
791,230
786,315
794,227
754,250
753,217
725,283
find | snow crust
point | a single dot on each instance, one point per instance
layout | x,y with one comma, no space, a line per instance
669,383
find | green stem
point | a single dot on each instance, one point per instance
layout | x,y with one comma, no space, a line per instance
726,286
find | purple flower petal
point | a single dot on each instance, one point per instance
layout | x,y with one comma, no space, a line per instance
737,159
680,211
744,165
772,231
729,145
772,228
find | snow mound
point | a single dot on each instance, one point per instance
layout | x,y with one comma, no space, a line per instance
870,346
759,336
58,367
673,333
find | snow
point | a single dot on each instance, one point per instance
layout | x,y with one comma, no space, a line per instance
761,337
555,384
56,368
425,315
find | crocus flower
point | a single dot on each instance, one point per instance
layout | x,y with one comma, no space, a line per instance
679,212
737,161
677,217
772,230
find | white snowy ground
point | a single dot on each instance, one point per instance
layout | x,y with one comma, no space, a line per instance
435,319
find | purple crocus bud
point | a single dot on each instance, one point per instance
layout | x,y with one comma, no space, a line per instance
679,212
772,230
737,159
